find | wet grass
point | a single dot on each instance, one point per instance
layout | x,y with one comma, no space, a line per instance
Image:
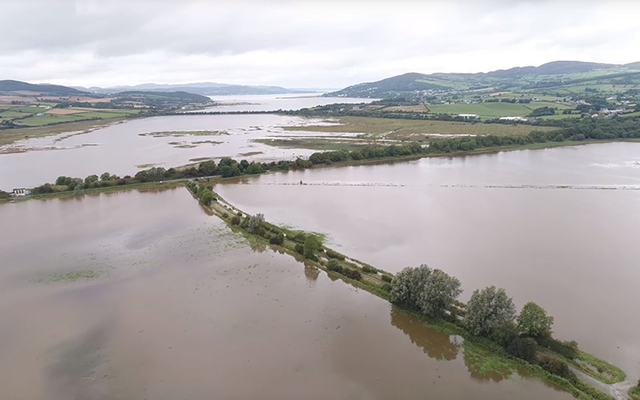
332,144
405,128
634,393
82,275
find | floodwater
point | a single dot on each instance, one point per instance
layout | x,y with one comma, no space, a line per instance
142,295
275,102
559,227
124,149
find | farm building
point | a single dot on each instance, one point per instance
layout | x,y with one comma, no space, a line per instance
20,192
470,117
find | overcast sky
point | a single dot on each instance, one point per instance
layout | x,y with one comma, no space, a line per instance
327,44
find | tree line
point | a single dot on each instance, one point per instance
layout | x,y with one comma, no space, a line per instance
490,313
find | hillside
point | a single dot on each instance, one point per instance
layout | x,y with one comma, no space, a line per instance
557,74
18,86
201,88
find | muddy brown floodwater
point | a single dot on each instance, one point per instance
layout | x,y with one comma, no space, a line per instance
142,295
559,227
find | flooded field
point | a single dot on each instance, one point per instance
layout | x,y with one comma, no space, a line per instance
142,295
127,147
558,227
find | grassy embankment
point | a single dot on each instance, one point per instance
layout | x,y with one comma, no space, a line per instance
481,355
634,392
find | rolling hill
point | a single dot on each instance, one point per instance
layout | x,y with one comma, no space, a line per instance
18,86
554,74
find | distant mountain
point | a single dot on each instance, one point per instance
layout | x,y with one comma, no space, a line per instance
202,88
412,85
150,95
18,86
552,68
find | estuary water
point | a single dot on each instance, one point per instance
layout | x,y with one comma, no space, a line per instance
142,295
559,227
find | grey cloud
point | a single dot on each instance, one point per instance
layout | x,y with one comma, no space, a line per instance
309,43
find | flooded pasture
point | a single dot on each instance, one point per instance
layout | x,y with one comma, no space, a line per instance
142,295
558,227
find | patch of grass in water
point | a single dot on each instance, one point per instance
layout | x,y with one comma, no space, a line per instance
86,274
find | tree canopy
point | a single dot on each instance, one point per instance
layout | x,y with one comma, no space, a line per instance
534,321
489,309
430,291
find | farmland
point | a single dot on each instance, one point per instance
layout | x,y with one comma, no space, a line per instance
410,129
494,110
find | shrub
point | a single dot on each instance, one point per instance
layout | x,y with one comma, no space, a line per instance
556,367
524,348
299,248
277,239
235,220
563,349
352,273
333,254
335,266
225,215
387,278
386,287
505,334
369,269
239,214
311,245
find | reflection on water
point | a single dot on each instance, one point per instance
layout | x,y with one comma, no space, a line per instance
435,344
183,308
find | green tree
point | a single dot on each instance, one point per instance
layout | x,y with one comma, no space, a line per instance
206,197
254,223
431,291
488,309
105,177
91,179
208,168
311,245
253,168
534,321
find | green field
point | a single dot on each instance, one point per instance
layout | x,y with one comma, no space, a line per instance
407,129
494,110
48,119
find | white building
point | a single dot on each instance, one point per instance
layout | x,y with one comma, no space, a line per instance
20,192
469,117
517,119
